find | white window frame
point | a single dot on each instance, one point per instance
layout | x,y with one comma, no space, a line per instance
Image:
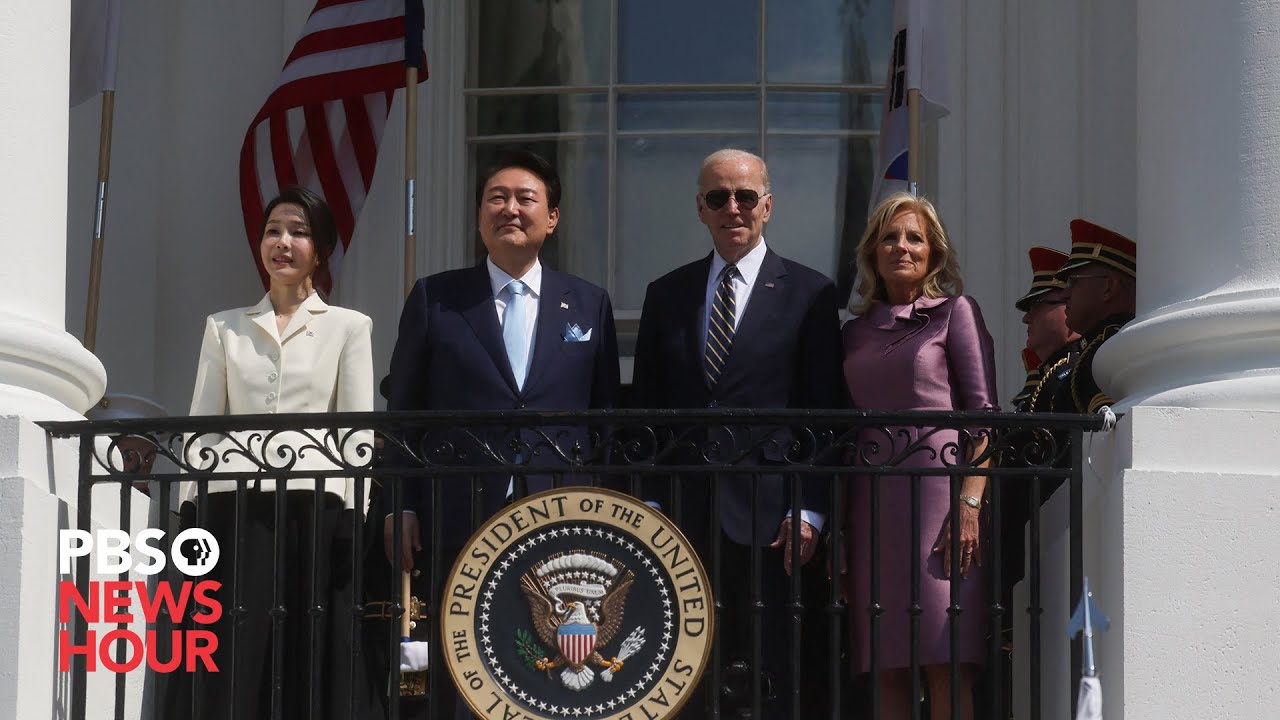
445,194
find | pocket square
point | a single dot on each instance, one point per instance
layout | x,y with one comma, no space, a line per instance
573,333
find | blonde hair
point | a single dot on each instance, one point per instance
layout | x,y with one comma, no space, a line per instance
943,278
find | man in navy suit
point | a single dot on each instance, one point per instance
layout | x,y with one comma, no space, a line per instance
506,334
744,328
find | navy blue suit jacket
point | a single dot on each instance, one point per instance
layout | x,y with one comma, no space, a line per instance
786,354
449,355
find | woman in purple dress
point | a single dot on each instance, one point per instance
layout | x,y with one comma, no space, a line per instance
917,344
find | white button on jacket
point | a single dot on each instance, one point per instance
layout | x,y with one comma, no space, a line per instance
248,367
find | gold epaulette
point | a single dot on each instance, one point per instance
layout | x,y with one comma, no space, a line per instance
1028,386
1033,379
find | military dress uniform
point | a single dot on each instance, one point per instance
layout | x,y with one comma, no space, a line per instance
1085,395
1052,392
1092,243
1041,392
1030,363
1045,384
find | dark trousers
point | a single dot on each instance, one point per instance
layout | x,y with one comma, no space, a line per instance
736,631
310,655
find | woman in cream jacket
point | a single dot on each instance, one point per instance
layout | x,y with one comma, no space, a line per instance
290,353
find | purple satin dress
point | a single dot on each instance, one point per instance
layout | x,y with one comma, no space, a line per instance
934,354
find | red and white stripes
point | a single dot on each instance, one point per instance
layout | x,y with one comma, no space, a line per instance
322,124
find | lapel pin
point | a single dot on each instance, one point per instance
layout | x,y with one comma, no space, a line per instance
564,305
768,284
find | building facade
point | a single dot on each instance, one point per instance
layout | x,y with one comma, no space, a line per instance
1153,117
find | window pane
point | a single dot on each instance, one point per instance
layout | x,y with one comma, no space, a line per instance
824,111
689,111
542,113
829,41
820,192
523,43
579,244
684,41
658,227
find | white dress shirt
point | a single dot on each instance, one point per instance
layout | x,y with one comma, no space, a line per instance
499,279
743,282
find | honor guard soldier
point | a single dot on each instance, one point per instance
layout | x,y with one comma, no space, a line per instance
1101,282
1047,389
1048,335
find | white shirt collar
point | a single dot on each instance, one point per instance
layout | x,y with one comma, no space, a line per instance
498,278
748,265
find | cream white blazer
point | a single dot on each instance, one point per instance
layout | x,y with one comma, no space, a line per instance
322,362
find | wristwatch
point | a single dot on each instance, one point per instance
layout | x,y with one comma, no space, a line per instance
971,501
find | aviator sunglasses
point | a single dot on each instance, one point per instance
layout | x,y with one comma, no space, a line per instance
746,199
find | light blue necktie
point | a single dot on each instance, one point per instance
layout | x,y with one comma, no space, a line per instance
515,329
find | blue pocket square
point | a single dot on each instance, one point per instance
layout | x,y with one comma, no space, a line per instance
573,333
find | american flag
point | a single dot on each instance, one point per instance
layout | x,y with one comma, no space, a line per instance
322,123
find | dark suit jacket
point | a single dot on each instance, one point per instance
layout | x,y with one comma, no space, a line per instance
786,354
449,355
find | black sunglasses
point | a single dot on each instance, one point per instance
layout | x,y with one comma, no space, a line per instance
746,199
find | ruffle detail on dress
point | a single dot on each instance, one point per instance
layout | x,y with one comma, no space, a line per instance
896,317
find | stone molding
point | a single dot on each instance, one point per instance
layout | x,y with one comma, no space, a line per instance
45,373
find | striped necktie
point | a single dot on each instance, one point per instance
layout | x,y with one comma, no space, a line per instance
720,322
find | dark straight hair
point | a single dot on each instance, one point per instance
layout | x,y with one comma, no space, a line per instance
324,233
525,160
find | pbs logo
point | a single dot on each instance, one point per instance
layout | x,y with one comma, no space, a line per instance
194,551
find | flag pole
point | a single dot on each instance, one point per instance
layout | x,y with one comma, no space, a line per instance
913,140
99,218
410,175
414,65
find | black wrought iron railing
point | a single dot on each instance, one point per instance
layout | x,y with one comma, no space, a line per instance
667,457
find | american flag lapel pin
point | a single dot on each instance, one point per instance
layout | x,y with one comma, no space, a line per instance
768,284
564,306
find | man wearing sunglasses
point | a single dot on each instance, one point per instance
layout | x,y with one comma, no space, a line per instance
1101,280
744,328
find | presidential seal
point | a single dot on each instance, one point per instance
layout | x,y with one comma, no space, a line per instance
577,602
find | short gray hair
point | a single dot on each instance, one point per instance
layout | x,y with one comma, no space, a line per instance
735,155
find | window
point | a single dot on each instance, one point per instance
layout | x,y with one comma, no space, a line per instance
627,96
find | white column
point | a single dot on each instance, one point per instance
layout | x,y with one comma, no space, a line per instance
1208,325
1180,525
44,372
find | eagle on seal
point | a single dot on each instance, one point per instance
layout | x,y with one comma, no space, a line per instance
576,601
